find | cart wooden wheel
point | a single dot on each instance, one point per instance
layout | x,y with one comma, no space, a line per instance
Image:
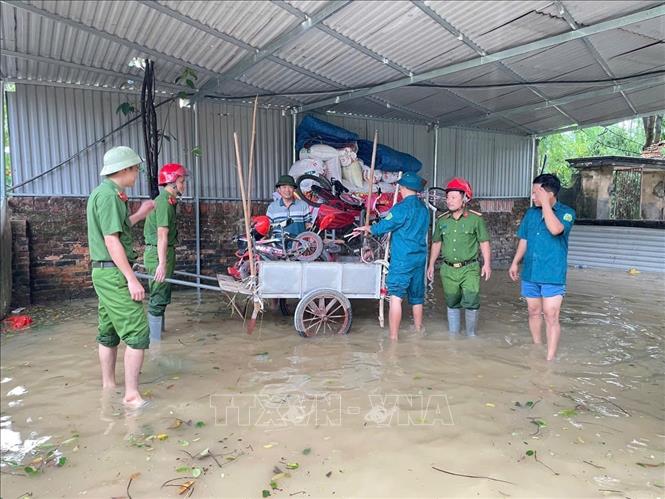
323,312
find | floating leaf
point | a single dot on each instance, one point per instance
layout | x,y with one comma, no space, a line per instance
529,403
183,443
530,453
185,487
200,424
306,451
265,493
196,472
489,404
183,469
176,424
539,422
161,436
329,474
262,353
649,465
62,460
273,484
278,476
31,470
292,466
204,453
568,413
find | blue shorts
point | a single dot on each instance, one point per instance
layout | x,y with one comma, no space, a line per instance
537,290
407,282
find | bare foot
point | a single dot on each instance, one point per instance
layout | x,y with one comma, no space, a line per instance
392,338
108,386
134,402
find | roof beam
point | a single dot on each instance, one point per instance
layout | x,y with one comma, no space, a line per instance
568,99
239,43
496,57
568,17
466,40
260,54
92,69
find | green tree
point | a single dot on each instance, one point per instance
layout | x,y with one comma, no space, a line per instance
622,139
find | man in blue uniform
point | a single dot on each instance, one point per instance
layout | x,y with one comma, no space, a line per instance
543,244
408,221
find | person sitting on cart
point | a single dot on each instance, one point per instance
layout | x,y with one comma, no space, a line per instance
408,221
289,207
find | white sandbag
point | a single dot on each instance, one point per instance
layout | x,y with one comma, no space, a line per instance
346,156
390,177
319,151
377,174
353,174
306,166
386,186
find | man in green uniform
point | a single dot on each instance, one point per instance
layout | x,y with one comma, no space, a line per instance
161,236
121,314
462,232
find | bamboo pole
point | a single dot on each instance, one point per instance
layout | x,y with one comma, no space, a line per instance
250,248
370,181
252,144
251,324
384,270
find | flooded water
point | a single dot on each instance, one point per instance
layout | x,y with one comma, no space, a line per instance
357,416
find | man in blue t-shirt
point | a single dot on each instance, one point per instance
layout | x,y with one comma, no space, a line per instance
543,244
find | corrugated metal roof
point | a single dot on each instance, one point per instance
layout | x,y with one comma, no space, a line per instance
647,99
308,6
381,26
345,50
323,54
255,22
593,11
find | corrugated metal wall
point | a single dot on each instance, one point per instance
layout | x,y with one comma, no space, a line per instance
497,165
49,124
617,247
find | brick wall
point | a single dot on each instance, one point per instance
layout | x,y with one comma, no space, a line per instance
54,232
20,264
51,250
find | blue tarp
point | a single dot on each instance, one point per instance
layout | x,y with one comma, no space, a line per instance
312,130
387,159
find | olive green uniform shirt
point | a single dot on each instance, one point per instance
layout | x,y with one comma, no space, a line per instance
461,238
107,213
164,215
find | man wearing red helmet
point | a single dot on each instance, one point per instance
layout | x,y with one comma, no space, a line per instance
462,232
161,236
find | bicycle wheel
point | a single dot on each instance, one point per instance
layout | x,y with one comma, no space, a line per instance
436,199
314,189
307,246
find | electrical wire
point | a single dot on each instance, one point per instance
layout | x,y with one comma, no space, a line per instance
350,90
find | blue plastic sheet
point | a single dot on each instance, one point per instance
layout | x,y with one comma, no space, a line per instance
312,130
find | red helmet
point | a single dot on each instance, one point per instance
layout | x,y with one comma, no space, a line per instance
261,224
461,185
170,172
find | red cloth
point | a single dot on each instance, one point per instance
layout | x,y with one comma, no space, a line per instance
19,321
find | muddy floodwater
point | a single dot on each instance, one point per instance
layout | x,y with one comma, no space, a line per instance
233,415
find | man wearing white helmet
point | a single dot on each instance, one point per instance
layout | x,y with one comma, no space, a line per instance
120,313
